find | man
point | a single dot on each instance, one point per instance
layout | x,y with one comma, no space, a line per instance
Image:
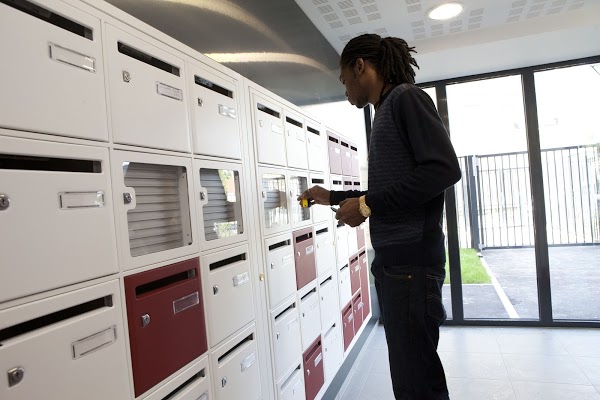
411,164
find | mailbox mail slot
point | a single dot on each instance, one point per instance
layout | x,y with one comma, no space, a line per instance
314,375
310,317
328,301
357,308
269,132
291,387
345,285
58,222
341,244
355,165
304,254
166,321
335,153
52,70
287,344
281,270
295,142
325,256
333,351
354,274
336,182
315,148
68,346
226,279
215,111
347,183
147,92
191,384
235,368
346,157
348,325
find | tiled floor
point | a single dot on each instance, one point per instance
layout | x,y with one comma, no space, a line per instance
494,364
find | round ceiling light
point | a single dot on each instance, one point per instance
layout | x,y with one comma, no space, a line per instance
445,11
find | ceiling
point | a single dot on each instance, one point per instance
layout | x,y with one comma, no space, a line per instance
292,47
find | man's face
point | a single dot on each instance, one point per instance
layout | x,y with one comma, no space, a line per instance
350,76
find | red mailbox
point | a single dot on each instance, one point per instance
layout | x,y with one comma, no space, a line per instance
354,274
166,321
360,236
304,255
357,308
348,325
314,375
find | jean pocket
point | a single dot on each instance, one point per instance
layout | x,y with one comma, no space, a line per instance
435,306
399,272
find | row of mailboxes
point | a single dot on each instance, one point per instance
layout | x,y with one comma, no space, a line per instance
151,90
70,346
354,314
291,385
235,367
343,156
193,383
314,373
284,138
165,314
348,241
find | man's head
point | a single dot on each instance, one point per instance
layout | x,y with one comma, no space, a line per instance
369,62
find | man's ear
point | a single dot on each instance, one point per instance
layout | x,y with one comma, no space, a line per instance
359,66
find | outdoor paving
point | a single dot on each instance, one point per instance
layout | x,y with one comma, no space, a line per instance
574,274
479,301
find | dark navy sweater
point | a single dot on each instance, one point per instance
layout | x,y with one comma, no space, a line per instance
411,164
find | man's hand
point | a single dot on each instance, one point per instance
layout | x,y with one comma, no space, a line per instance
315,195
349,212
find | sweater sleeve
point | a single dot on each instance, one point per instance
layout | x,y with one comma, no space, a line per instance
436,168
336,197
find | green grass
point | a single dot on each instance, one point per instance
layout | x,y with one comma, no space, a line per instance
471,269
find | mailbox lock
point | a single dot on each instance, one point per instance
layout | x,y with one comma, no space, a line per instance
145,320
4,202
200,102
126,76
215,289
202,195
308,372
277,335
15,376
127,198
224,381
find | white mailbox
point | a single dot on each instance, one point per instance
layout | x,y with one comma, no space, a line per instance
316,146
352,236
52,70
147,92
310,315
320,213
291,385
287,340
191,384
274,198
69,346
235,368
295,141
280,266
154,208
56,211
341,244
215,105
345,287
333,351
228,292
268,130
328,300
220,193
298,183
325,248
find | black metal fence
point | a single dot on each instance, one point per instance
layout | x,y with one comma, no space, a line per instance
494,198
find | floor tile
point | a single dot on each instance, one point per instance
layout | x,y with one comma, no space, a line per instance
530,344
478,389
473,365
590,367
468,341
353,386
544,368
582,346
382,363
377,386
554,391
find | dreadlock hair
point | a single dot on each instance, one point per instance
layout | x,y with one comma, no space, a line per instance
390,56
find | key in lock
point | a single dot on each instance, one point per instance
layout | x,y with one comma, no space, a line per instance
15,376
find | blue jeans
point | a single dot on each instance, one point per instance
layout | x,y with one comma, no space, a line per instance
411,297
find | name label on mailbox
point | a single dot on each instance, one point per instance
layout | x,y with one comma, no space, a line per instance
310,249
169,91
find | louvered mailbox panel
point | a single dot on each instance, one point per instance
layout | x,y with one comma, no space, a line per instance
69,346
222,211
147,91
274,197
268,131
154,208
52,70
235,367
215,107
229,304
57,215
165,314
287,341
298,183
